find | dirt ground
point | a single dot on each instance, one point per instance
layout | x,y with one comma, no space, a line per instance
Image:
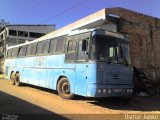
32,101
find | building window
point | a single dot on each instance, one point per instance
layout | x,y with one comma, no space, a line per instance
22,33
36,35
13,32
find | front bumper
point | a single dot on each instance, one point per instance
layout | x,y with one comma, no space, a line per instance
95,90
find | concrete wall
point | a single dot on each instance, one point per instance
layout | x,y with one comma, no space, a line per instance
144,34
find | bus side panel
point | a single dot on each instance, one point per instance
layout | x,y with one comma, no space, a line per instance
81,79
58,68
9,66
36,70
40,70
85,76
49,78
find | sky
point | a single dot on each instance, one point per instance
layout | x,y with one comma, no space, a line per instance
64,12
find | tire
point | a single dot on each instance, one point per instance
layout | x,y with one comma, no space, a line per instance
17,79
63,89
12,78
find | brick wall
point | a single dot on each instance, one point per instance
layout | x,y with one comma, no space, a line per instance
144,34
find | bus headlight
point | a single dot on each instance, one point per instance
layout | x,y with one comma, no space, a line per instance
128,90
109,90
104,90
131,90
99,90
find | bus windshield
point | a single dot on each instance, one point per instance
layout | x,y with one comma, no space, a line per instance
110,49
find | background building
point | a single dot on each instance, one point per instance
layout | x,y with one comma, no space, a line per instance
17,34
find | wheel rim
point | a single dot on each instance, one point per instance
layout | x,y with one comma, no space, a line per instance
66,88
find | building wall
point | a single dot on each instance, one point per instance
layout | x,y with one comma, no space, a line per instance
17,34
33,28
144,34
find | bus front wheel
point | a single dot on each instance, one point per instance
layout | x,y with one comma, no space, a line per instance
63,89
17,79
12,77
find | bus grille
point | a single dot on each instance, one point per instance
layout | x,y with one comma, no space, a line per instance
115,76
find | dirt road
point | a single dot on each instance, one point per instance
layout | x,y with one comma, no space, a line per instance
32,100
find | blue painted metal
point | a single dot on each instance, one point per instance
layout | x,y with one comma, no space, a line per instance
85,79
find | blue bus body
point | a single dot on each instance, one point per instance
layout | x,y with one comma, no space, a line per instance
88,78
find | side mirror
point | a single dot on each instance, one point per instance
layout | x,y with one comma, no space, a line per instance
84,45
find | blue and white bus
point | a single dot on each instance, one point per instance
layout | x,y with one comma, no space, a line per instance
91,63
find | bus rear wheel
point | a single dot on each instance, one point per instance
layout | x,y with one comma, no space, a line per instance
63,89
12,77
17,79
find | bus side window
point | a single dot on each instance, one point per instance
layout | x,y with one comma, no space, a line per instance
45,46
31,49
71,46
9,53
71,50
82,50
60,45
28,50
39,48
22,51
15,52
52,46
